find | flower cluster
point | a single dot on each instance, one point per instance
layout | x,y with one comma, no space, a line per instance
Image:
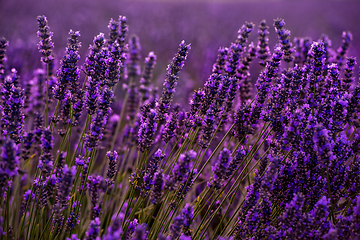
277,161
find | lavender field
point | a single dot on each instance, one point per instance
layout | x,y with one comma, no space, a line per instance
179,120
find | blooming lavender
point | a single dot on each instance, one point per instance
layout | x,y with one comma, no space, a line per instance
94,183
279,161
69,71
112,159
134,56
263,50
45,45
170,83
284,39
146,76
3,44
93,231
97,130
346,39
147,128
94,66
46,159
220,169
9,164
12,111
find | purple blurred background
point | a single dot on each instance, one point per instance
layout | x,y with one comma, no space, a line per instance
161,25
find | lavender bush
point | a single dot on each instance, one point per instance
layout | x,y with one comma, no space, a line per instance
273,160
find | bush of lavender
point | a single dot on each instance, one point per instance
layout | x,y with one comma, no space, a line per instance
100,152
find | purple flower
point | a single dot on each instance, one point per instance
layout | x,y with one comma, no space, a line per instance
95,64
96,130
93,230
211,88
8,164
73,219
140,232
107,97
91,96
73,237
263,50
3,44
113,64
348,73
182,169
134,56
131,228
219,66
188,214
208,128
65,186
284,39
235,162
48,190
220,169
112,159
317,53
323,145
291,219
237,49
171,126
245,85
46,158
176,227
78,106
114,31
147,128
196,101
114,231
80,162
146,76
45,45
342,50
69,72
27,196
170,83
94,183
123,29
12,110
158,183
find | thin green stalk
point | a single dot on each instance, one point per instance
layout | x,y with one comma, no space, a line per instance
236,181
119,123
47,224
227,210
47,96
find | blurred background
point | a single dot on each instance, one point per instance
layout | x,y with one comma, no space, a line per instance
161,25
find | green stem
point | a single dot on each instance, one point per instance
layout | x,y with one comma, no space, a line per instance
47,96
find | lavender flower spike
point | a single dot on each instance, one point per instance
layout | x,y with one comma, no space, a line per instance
147,128
220,169
150,62
46,158
170,83
113,158
45,45
3,44
93,231
284,39
69,71
8,164
134,56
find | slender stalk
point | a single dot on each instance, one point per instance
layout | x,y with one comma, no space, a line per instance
47,96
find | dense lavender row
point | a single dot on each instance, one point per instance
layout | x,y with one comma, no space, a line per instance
278,164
